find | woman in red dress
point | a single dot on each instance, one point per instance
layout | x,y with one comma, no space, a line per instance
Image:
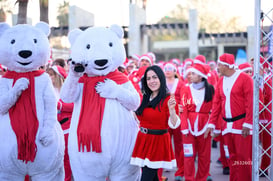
158,111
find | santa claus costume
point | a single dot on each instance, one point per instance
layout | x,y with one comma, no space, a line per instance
175,85
196,100
265,97
234,101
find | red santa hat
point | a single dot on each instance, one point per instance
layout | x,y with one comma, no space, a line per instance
188,61
245,66
227,59
59,70
199,69
152,55
146,57
136,57
175,61
201,59
212,62
170,67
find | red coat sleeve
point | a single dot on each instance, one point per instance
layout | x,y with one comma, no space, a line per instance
248,95
216,107
184,115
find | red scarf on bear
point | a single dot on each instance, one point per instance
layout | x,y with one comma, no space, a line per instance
92,110
23,117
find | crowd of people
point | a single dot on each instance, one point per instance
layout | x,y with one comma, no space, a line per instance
185,106
215,103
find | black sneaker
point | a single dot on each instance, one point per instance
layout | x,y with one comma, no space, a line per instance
226,171
214,144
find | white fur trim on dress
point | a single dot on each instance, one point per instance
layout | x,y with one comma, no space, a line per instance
153,164
197,72
176,124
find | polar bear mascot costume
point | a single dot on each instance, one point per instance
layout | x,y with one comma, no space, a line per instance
103,129
32,141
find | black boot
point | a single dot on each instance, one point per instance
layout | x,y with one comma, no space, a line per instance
226,171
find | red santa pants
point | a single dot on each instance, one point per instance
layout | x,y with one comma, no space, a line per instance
265,139
178,150
222,158
239,152
67,168
200,147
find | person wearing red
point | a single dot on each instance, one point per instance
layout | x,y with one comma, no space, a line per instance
157,112
233,100
174,85
265,98
196,100
58,75
212,78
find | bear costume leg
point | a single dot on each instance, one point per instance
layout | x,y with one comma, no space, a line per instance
54,175
127,173
11,176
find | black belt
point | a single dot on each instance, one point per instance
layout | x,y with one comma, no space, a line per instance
64,120
235,118
153,131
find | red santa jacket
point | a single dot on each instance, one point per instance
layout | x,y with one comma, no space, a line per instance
233,99
193,120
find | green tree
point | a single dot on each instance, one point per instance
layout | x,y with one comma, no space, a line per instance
63,12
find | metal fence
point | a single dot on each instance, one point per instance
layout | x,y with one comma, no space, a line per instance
264,39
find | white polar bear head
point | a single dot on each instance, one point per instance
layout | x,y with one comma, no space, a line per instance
24,48
97,50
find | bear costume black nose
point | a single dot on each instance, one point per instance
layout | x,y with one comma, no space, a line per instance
25,53
101,62
79,67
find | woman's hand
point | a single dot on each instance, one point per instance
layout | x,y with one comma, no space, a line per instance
171,103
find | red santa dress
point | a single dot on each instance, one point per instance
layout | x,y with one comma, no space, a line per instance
151,150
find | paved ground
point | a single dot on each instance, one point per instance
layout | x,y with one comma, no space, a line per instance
215,169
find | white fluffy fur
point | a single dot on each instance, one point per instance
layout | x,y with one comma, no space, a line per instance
48,163
119,128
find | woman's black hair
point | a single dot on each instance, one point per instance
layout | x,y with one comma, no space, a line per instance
209,91
163,90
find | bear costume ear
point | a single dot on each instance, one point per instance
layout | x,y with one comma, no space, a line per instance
72,35
118,30
44,27
3,28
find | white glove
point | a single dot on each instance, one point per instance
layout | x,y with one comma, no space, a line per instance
20,85
46,136
108,89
